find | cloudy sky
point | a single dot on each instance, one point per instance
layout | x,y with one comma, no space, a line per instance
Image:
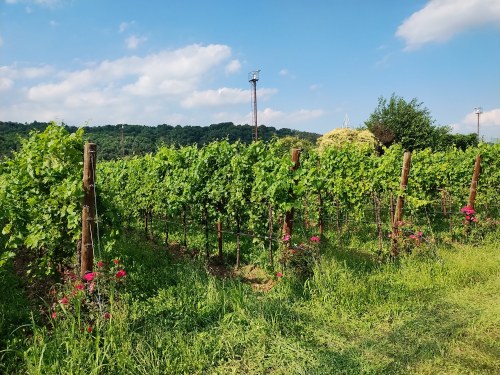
323,62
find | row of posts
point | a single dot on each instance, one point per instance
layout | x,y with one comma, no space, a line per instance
89,208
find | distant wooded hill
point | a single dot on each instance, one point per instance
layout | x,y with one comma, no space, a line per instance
141,139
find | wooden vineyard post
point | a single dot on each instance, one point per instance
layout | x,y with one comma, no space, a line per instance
398,214
88,211
288,225
473,188
320,214
219,235
238,235
473,184
378,221
270,235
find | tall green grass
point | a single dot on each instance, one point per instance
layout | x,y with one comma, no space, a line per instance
428,313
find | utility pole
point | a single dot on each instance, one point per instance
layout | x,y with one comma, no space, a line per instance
253,77
478,111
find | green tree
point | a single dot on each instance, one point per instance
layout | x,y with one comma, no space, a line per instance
398,121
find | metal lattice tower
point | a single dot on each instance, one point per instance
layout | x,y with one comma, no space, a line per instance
253,77
478,111
347,123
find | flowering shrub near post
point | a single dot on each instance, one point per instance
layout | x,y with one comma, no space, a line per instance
409,236
87,301
300,259
470,214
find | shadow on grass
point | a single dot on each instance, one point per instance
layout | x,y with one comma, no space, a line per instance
353,259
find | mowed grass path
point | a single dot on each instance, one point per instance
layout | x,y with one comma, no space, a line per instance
425,315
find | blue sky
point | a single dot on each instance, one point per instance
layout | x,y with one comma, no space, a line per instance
323,63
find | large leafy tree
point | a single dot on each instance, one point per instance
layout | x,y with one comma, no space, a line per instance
398,121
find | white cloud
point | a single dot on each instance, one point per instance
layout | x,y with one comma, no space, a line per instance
53,23
134,89
283,72
124,26
234,66
49,3
133,41
278,118
5,83
440,20
223,96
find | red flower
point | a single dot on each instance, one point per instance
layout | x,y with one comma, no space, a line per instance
100,264
315,239
79,286
116,261
54,315
121,273
89,276
107,315
89,329
279,274
468,210
64,301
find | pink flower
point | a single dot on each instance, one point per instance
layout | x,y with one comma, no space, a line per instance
279,274
79,286
52,291
54,315
286,237
89,276
89,329
400,223
100,264
467,210
91,287
420,234
116,261
64,301
121,273
315,239
107,315
413,237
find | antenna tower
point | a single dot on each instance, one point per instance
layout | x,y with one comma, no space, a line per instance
347,123
478,111
122,143
253,77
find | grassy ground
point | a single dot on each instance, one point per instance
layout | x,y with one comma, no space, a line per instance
427,314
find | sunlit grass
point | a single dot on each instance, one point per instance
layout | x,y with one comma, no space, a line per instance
428,313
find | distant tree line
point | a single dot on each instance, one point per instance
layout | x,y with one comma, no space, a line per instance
119,140
394,121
